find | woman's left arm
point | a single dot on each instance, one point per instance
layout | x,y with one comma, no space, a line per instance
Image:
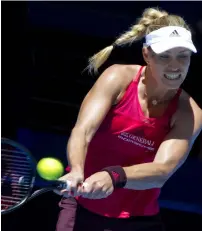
172,152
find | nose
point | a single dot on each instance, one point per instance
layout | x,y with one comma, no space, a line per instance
174,69
174,65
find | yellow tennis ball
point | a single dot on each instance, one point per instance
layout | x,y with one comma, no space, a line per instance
50,168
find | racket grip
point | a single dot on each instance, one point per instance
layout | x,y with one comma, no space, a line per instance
60,185
54,184
66,185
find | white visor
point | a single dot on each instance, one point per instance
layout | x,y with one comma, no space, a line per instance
169,37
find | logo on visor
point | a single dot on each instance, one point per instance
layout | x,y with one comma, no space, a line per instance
174,34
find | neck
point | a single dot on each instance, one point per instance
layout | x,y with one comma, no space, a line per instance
154,92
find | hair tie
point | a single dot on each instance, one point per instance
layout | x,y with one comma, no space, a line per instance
114,44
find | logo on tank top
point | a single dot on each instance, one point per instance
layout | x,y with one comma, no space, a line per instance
137,140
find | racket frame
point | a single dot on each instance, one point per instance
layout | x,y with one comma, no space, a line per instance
33,175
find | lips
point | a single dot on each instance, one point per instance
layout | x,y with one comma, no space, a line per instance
172,76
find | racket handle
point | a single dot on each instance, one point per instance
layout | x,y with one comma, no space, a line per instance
61,184
54,184
66,184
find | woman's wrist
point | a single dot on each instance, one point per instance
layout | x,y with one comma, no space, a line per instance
117,175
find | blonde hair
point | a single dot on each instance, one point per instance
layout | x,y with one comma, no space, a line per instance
152,19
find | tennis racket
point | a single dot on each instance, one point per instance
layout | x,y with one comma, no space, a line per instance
18,177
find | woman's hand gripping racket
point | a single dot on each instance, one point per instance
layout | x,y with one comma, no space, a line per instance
18,177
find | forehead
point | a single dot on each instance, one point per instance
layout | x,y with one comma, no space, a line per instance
177,50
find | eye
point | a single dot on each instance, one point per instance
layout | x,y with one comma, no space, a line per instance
164,56
184,56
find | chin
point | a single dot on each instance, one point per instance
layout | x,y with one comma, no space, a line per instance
172,84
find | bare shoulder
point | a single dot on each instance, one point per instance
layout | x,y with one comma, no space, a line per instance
122,75
131,71
188,104
189,111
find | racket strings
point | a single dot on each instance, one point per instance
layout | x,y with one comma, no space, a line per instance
16,176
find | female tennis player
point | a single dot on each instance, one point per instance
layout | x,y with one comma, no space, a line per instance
135,128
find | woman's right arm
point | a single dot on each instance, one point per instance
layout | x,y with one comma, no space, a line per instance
93,110
107,91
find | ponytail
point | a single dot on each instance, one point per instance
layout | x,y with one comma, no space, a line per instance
135,33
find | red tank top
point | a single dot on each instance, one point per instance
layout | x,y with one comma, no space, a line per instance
126,137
